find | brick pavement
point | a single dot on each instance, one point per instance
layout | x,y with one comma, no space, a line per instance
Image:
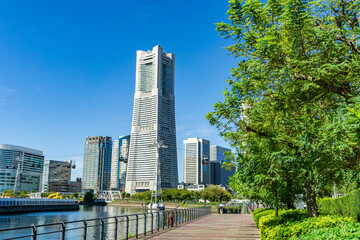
215,226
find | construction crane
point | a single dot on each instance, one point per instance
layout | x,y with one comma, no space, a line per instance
7,195
54,196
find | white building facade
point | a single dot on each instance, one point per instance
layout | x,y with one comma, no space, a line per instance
153,119
22,162
196,168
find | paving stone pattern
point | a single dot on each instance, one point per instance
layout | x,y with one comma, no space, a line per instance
215,226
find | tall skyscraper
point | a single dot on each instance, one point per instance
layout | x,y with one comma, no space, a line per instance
196,161
218,174
23,164
153,119
120,155
97,163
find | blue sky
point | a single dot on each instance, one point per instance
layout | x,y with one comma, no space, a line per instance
67,69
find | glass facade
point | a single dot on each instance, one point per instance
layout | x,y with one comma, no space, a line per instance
97,163
56,172
120,155
196,161
11,157
218,174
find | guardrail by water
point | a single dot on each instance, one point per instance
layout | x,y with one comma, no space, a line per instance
117,227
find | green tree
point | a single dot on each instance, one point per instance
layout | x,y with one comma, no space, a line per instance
23,194
88,197
214,193
290,109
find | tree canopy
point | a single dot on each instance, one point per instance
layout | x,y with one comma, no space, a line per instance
291,109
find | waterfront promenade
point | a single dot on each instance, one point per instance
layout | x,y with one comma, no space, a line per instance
214,226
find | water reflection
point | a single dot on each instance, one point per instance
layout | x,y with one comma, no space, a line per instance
85,212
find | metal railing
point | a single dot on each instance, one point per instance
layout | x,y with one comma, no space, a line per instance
117,227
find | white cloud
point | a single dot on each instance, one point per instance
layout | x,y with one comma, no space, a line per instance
5,95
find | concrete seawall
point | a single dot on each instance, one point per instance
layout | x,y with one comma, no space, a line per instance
39,208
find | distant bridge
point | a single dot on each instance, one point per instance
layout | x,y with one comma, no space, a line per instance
109,196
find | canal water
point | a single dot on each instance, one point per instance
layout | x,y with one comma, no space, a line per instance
85,212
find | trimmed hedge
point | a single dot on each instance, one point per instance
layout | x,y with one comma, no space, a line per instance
259,214
345,230
294,224
296,229
267,223
348,205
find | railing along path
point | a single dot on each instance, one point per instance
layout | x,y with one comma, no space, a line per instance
114,228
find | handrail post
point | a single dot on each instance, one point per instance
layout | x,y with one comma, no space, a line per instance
144,224
85,229
163,220
34,232
127,227
116,227
176,217
152,222
183,216
136,225
102,229
158,221
62,231
167,218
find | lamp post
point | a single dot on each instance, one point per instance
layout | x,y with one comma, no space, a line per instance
157,183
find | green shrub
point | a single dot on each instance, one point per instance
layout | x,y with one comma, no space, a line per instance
259,210
260,214
88,197
346,230
348,205
266,223
295,229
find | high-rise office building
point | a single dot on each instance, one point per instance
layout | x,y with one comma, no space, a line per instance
196,161
56,172
97,164
120,155
153,120
26,163
218,174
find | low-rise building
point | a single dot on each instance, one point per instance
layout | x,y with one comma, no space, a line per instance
20,166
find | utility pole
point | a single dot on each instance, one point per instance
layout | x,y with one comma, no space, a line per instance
17,185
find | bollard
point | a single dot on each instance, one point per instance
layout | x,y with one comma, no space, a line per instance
34,232
85,229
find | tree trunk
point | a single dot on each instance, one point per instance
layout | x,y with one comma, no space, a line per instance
276,205
310,198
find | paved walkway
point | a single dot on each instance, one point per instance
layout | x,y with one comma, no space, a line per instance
215,226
